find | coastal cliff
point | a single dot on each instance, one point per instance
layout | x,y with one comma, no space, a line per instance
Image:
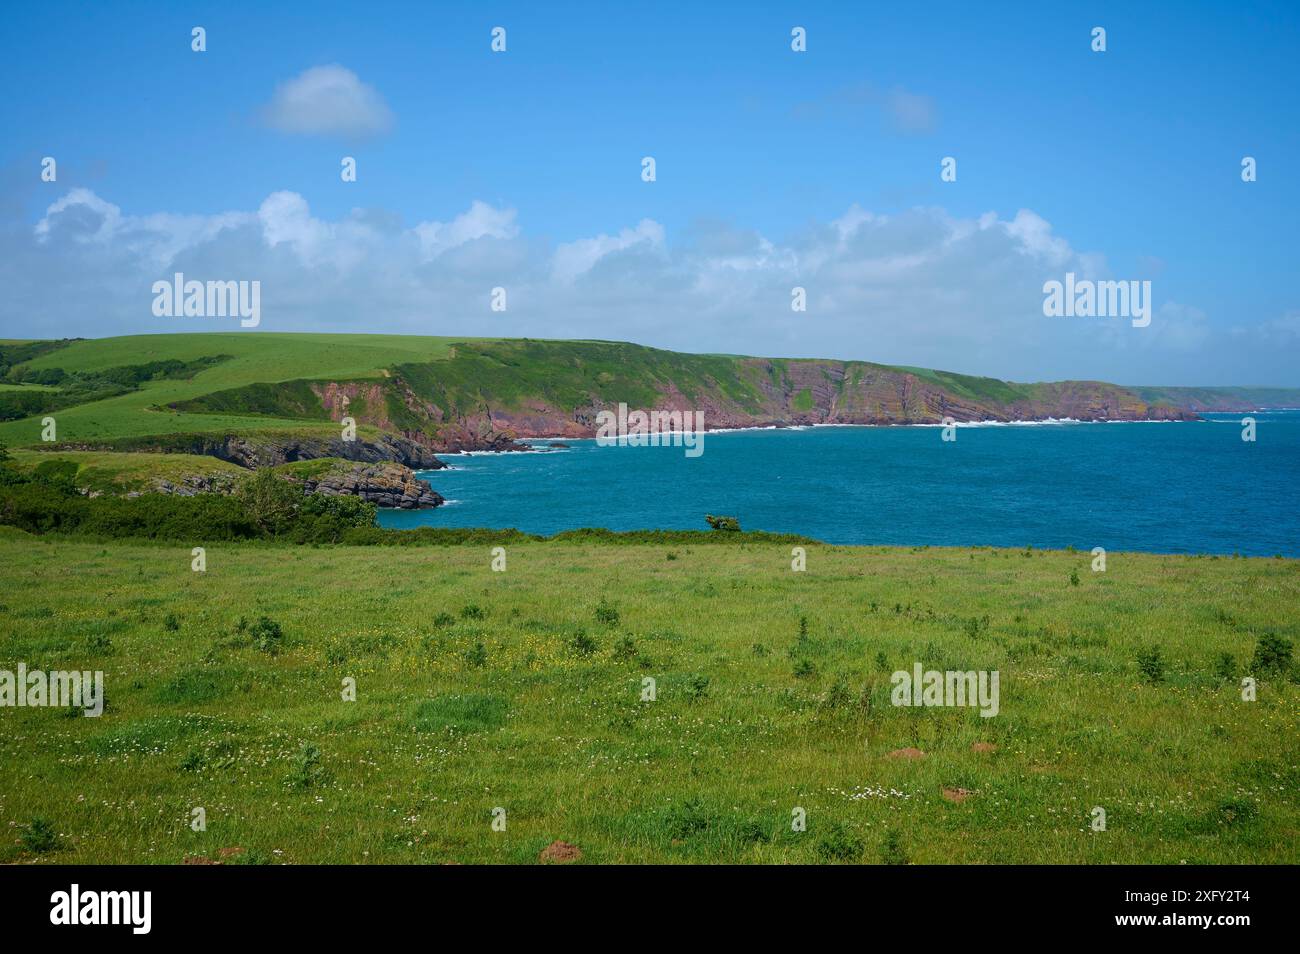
487,396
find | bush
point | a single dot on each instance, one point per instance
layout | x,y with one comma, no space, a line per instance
1152,665
39,837
582,644
722,523
606,613
1272,654
892,852
266,635
269,500
697,686
308,771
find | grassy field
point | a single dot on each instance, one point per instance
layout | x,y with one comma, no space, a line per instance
256,358
522,690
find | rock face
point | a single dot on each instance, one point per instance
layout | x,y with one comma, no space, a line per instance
271,451
385,484
194,484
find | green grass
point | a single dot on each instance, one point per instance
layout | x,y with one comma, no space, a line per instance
256,358
478,689
27,387
110,472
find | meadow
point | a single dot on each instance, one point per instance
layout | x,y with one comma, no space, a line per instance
523,690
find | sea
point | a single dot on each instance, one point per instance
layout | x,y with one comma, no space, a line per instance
1163,487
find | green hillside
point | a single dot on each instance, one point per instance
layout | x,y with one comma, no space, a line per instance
449,393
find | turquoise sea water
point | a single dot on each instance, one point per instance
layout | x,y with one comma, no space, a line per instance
1192,487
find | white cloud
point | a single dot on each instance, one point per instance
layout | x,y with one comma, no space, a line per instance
328,101
79,210
575,258
919,287
480,221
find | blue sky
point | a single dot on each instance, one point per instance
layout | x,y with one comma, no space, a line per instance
1129,159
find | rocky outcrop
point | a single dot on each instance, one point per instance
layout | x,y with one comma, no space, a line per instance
385,485
271,451
193,484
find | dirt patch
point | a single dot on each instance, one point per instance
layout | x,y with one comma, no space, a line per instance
983,747
908,753
559,852
957,795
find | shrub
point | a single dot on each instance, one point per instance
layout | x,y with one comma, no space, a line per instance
192,762
1272,654
472,611
804,669
838,696
606,613
697,686
269,500
582,644
266,635
1151,665
40,837
625,648
308,771
477,656
722,523
892,852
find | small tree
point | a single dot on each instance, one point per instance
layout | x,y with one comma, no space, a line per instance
722,523
269,500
